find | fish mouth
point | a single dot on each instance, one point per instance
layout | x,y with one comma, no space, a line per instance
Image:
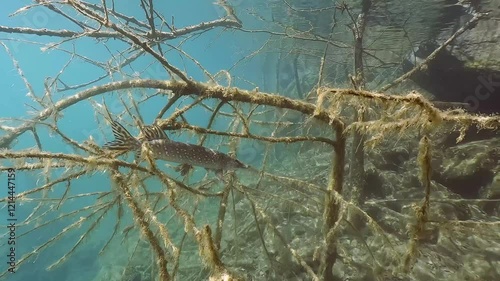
241,164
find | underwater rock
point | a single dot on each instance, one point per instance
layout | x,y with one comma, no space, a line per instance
469,169
478,48
450,79
492,192
468,70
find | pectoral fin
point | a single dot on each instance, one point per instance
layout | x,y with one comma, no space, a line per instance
183,169
219,174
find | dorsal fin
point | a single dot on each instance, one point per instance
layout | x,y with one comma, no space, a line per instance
153,132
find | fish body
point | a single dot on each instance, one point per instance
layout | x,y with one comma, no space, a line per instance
161,147
191,154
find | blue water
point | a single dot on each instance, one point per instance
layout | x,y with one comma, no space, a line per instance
215,50
290,196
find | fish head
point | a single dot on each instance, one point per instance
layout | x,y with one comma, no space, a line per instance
235,164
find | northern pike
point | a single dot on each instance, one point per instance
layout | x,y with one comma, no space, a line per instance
161,147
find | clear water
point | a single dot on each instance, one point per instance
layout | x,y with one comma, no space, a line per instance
73,221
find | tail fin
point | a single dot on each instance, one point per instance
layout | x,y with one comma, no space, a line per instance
123,139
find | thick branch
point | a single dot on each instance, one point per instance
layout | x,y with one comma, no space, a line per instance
182,88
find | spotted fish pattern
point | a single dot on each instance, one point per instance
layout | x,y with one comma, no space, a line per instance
161,147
